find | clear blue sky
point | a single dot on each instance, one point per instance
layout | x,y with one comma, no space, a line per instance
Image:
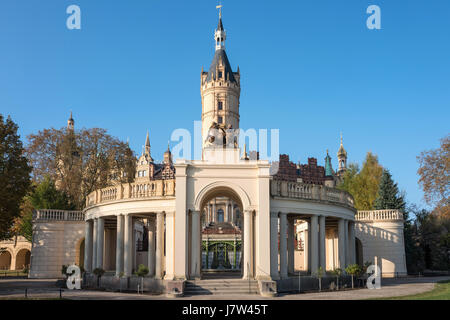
309,68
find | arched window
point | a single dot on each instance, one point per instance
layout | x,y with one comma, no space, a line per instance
220,216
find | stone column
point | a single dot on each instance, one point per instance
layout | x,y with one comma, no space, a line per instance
208,219
290,246
133,246
151,246
227,212
195,243
341,243
159,245
322,247
128,245
88,239
283,246
275,275
314,235
306,250
347,251
232,213
214,213
247,263
100,242
352,240
94,244
119,245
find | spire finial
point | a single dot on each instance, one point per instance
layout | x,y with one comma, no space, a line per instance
219,6
147,140
341,137
220,35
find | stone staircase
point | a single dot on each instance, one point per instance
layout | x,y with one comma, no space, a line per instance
220,287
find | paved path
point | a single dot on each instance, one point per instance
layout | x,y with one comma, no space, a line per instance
15,288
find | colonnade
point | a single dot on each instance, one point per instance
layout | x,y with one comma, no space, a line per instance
125,247
315,247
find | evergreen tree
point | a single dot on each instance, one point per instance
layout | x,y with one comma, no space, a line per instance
388,196
14,175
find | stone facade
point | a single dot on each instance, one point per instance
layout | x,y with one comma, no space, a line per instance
224,197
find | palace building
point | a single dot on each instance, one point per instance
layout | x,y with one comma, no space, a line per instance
227,216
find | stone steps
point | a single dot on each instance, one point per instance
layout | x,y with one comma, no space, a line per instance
220,287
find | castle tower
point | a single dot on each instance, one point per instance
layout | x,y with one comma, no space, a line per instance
70,123
329,173
145,167
342,158
220,89
168,156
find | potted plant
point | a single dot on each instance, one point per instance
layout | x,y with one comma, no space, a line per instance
353,270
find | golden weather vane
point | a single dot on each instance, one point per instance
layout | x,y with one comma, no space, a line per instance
219,6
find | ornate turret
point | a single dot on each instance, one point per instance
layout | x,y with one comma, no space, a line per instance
328,168
329,173
168,155
220,91
71,122
342,158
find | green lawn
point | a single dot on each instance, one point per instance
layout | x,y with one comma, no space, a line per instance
12,273
440,292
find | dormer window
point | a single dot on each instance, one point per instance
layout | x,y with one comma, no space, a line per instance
220,75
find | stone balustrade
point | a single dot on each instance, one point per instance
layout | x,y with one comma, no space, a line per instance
298,190
57,215
379,215
136,190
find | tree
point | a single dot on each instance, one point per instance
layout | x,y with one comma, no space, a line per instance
80,161
46,196
14,175
388,196
43,195
319,274
141,273
434,172
363,185
337,273
353,270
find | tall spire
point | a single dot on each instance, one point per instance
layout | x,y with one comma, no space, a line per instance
220,35
147,146
70,122
342,157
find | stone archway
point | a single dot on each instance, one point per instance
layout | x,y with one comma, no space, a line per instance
5,260
359,252
79,253
221,237
23,257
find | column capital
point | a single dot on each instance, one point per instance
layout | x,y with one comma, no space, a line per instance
282,214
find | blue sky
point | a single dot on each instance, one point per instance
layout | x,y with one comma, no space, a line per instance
310,68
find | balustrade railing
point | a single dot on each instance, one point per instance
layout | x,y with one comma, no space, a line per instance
379,215
306,191
136,190
57,215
